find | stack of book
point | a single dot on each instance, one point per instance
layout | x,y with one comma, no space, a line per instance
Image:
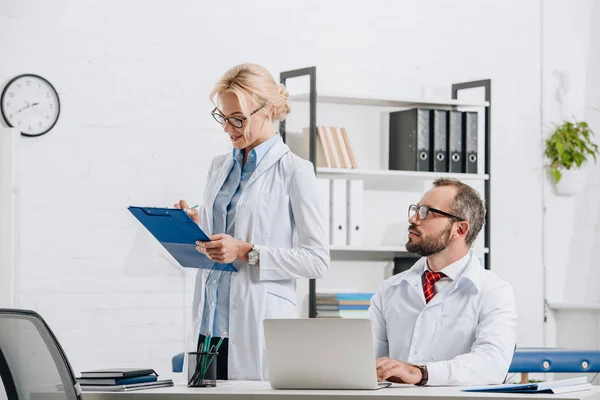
121,380
333,147
343,305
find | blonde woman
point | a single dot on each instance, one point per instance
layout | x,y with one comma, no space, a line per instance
264,215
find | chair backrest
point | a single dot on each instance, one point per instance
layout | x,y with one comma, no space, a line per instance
32,363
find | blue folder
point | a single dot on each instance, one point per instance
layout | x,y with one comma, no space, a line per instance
178,233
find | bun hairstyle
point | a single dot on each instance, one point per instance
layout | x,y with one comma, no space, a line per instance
254,87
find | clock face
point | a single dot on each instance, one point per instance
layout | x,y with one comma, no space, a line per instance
30,103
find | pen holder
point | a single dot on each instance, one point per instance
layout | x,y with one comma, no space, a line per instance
202,369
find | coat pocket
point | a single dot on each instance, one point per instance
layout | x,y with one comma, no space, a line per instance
273,215
453,336
280,301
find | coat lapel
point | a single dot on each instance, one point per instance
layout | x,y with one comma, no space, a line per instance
273,155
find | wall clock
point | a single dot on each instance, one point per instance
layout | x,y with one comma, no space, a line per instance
31,104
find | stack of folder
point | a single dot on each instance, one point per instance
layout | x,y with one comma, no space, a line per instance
121,380
343,305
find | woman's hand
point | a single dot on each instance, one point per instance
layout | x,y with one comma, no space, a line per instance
224,249
194,215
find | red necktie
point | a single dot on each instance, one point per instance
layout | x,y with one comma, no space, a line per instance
430,279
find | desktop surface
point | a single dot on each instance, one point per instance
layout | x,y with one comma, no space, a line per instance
259,390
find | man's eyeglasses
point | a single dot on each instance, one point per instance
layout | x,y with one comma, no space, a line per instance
423,211
233,121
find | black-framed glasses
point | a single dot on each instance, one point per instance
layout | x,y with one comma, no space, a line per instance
423,211
233,121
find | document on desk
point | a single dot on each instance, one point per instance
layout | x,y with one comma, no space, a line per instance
178,234
559,386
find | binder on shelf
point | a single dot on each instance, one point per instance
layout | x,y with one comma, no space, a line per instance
338,212
354,208
409,142
470,135
323,186
439,140
455,142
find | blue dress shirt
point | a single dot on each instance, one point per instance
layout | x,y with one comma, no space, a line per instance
215,316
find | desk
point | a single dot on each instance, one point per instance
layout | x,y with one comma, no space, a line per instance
260,390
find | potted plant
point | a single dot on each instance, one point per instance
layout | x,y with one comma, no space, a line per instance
569,147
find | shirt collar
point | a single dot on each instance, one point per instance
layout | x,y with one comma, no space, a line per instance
470,271
454,270
260,150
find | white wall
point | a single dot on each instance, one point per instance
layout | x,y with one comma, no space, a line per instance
9,222
572,91
135,128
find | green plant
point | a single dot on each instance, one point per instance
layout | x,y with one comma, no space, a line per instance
570,145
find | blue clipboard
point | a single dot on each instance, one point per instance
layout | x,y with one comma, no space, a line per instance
178,233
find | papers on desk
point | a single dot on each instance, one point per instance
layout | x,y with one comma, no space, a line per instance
560,386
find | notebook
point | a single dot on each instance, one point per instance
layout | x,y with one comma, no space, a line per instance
117,373
117,381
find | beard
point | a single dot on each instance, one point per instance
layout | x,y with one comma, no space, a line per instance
428,246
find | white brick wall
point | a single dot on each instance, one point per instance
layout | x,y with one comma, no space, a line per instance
135,128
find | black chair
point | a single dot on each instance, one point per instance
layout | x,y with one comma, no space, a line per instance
32,363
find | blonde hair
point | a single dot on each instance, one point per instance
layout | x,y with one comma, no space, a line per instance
254,87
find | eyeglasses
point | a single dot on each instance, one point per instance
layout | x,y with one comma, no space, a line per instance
423,211
233,121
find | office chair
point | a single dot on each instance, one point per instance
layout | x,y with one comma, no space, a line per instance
32,363
549,359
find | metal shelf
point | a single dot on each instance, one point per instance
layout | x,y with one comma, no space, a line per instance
372,252
591,307
393,177
367,253
387,102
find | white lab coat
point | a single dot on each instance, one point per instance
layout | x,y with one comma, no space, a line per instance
465,335
280,212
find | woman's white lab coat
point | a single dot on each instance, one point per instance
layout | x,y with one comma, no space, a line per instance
281,213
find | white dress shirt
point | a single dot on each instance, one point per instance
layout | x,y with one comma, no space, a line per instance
465,335
452,272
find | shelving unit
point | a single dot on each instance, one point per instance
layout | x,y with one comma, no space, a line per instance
350,99
398,254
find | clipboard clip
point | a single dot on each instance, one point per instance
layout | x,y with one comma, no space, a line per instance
156,212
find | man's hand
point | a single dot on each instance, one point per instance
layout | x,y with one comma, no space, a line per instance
397,371
224,249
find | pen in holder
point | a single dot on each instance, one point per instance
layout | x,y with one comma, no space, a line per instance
202,369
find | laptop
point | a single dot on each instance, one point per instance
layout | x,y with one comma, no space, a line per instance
321,354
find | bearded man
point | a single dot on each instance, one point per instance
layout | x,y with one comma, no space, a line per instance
446,320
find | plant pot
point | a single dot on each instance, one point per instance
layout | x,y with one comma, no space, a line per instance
572,181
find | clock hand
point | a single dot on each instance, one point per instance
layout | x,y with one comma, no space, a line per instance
38,113
24,108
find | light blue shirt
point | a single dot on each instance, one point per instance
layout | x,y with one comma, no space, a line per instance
215,316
